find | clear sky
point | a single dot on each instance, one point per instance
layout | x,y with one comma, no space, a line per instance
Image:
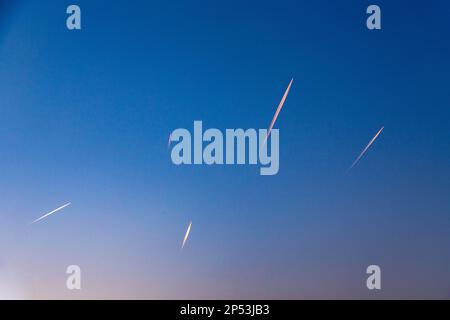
85,117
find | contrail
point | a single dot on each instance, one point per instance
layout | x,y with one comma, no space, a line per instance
169,141
278,109
365,149
187,234
51,212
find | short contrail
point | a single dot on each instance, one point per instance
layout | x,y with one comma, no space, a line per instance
187,234
278,109
365,149
51,212
169,141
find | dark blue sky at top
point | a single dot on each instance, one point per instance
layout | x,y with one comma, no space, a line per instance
85,117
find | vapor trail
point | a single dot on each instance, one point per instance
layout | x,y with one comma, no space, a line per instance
187,234
365,149
51,212
280,106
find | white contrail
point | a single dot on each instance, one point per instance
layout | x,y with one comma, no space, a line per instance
187,234
51,212
365,149
279,109
169,141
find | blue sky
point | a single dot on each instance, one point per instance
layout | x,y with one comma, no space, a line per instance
85,117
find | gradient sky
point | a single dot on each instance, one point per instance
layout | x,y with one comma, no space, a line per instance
85,116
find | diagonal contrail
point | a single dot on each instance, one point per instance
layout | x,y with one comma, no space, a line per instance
51,212
187,234
280,106
169,141
365,149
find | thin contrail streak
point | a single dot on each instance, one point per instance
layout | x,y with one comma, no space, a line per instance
187,234
365,149
51,212
280,106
